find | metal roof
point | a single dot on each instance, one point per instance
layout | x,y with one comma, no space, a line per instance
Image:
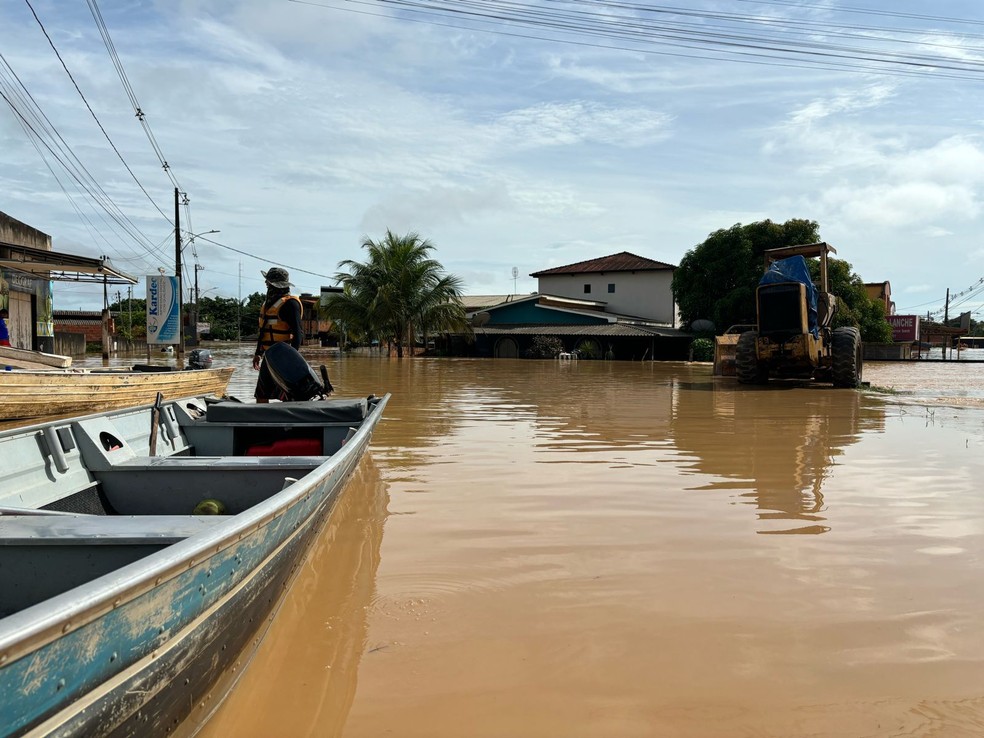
607,329
621,262
61,267
482,302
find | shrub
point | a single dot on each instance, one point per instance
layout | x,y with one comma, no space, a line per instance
588,349
544,347
703,349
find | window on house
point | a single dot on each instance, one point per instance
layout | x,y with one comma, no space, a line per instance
587,289
611,288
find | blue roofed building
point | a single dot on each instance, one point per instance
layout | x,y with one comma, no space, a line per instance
615,307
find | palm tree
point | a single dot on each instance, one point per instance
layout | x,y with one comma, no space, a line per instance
398,292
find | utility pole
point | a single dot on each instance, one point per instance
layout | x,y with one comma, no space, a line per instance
946,317
177,272
105,322
198,295
239,307
119,304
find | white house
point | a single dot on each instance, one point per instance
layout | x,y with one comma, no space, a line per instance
629,285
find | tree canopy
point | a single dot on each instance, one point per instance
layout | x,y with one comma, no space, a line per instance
398,293
854,307
716,280
228,318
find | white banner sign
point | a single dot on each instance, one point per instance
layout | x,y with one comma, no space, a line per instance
163,310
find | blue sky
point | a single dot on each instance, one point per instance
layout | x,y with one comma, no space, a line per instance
296,130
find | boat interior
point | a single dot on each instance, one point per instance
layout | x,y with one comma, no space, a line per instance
82,497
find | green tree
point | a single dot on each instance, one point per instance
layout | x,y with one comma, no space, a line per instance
249,316
716,279
854,307
399,292
130,316
226,317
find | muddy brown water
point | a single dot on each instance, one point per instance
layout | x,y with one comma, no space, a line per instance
623,549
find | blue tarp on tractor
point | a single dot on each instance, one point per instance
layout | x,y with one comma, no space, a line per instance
795,269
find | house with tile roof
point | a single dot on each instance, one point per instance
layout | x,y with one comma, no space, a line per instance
626,283
619,306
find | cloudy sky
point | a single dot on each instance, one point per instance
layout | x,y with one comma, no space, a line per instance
539,134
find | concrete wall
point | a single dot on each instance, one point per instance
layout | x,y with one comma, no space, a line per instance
14,232
643,294
887,351
69,344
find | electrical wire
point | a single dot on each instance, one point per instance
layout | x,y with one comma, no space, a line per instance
266,260
660,29
128,88
91,111
43,132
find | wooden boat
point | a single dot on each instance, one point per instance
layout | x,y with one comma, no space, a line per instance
48,393
122,605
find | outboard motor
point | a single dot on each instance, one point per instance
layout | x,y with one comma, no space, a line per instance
294,376
200,359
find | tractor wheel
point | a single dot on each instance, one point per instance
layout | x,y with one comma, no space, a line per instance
747,366
847,360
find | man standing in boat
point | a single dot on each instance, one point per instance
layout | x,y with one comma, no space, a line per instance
280,322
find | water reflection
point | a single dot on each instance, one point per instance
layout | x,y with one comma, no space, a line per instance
773,447
777,445
308,662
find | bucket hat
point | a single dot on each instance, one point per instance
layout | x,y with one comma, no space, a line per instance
277,277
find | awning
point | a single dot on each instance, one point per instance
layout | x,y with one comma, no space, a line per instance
61,267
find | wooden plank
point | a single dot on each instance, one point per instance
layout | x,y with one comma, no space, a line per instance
25,359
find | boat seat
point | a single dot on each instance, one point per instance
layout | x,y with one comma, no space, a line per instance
288,413
96,530
174,485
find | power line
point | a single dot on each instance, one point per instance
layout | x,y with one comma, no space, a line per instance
266,260
657,29
41,130
118,64
91,111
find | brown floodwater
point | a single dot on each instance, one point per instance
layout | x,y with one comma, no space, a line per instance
628,549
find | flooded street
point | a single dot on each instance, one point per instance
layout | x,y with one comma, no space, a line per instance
626,549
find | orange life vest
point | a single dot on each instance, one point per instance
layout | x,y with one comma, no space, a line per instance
272,328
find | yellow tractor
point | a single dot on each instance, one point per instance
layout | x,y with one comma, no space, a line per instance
792,336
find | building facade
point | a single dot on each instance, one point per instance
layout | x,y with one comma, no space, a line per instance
627,284
26,296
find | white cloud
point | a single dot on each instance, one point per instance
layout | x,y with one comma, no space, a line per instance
900,205
580,122
844,102
957,160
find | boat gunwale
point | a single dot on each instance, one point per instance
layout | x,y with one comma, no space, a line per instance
25,631
91,697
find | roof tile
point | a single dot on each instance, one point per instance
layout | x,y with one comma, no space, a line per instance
621,262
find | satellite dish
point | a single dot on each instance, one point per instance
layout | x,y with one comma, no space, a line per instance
702,326
480,319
